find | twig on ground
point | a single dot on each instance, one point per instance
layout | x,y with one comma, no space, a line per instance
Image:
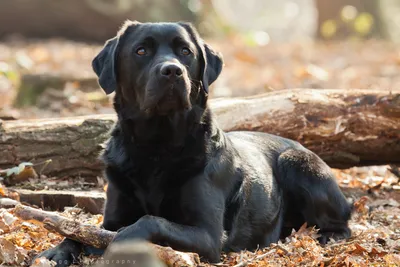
8,203
95,236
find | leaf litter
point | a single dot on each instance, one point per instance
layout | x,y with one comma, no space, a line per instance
375,228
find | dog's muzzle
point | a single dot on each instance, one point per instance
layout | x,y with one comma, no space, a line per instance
169,88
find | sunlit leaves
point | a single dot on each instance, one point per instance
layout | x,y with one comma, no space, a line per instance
20,240
20,169
257,38
10,254
3,190
363,23
22,172
374,242
328,28
354,23
19,173
348,13
7,70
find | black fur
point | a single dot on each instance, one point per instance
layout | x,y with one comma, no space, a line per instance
177,179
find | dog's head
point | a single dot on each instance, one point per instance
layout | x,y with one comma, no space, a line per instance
158,68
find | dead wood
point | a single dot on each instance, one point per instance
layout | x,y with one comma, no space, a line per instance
57,200
95,236
344,127
8,203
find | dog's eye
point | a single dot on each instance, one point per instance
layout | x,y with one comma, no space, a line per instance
141,51
186,51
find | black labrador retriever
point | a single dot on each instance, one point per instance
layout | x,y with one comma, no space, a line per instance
177,179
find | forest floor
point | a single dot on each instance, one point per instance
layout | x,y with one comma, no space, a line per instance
249,70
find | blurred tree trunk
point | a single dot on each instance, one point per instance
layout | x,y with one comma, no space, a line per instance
389,12
87,20
374,8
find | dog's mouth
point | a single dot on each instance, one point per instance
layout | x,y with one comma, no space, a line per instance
172,101
168,103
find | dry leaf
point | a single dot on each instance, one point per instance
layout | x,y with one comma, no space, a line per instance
3,191
359,250
20,173
246,57
7,251
360,205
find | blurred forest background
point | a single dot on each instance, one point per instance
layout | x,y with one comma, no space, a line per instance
46,46
46,49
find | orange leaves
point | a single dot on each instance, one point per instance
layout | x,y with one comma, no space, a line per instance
373,246
360,205
365,254
367,178
20,173
10,254
374,242
312,71
3,191
28,235
20,240
392,259
245,57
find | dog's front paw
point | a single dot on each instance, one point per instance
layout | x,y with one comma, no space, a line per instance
64,254
338,235
141,230
130,233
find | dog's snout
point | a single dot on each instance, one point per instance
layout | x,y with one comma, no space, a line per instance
171,70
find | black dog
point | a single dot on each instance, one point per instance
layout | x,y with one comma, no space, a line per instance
176,179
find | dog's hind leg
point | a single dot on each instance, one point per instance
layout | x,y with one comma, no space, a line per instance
312,194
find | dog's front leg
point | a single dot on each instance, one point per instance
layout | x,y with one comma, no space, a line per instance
181,237
202,206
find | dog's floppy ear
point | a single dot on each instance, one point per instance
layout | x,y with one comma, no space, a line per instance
211,61
104,65
213,66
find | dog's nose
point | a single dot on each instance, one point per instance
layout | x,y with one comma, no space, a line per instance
171,71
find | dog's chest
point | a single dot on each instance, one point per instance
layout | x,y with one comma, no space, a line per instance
157,193
150,197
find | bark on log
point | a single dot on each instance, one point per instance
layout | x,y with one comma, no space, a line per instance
73,144
344,127
56,200
93,202
90,201
97,237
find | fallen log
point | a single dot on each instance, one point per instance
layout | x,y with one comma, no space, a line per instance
8,203
95,236
91,201
345,128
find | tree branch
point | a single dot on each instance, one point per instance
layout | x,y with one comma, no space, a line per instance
95,236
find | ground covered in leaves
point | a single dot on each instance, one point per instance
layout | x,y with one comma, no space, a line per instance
375,225
249,69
